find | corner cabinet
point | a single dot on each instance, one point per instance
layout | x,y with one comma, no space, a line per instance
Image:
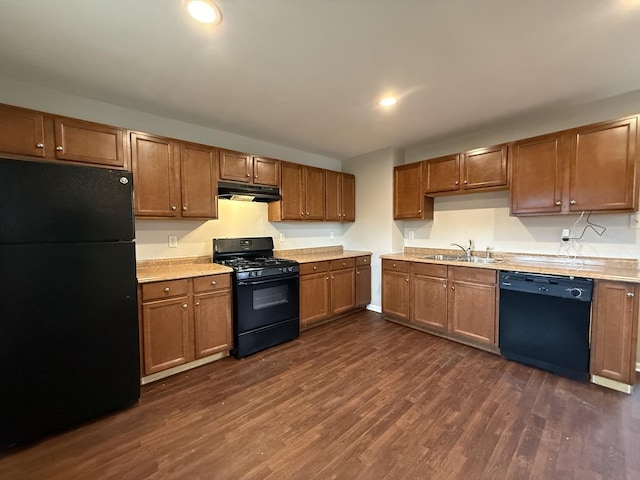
36,135
173,179
589,168
183,321
409,201
614,333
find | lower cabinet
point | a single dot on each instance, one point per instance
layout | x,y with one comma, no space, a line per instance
456,302
614,331
184,320
333,288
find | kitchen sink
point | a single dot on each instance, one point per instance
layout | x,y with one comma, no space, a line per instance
461,258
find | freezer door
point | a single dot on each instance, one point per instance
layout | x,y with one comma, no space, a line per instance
69,348
55,203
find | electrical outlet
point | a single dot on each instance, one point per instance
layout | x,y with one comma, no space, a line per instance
173,241
331,236
634,220
564,236
283,238
411,235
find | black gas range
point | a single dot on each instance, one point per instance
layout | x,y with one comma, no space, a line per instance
265,293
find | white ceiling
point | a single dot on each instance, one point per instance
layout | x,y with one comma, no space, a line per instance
307,74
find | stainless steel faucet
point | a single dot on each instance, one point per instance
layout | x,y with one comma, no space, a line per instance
467,251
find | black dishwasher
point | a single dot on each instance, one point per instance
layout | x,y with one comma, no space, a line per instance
544,322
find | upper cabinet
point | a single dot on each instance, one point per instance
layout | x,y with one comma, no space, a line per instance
588,168
173,179
31,134
409,200
481,169
340,196
245,168
303,194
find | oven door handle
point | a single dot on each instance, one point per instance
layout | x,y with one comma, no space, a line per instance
268,280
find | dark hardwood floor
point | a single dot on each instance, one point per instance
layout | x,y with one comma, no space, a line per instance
359,398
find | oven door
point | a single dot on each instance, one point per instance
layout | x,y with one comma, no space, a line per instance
264,302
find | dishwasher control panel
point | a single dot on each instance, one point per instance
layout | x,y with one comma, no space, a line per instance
550,285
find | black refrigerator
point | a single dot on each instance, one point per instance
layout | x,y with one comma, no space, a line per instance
69,348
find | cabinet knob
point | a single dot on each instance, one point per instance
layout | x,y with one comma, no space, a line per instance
302,214
630,294
184,209
394,265
197,304
457,182
40,145
365,260
327,278
332,277
407,279
572,202
558,202
213,282
315,268
59,148
184,305
248,174
465,182
255,176
174,208
358,272
344,263
453,287
444,285
307,213
166,290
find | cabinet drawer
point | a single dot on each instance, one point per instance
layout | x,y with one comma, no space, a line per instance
365,260
429,270
315,267
471,274
211,282
343,263
395,265
170,288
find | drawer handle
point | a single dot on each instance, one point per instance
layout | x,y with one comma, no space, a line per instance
166,289
213,282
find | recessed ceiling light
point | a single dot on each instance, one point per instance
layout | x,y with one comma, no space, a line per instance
387,101
204,11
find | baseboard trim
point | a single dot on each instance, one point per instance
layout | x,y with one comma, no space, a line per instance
377,309
182,368
612,384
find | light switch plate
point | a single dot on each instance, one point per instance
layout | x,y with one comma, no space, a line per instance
173,241
283,238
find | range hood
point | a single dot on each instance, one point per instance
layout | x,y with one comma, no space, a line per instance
248,193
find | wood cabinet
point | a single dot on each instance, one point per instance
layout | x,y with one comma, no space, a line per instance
458,302
589,168
614,330
173,179
314,293
303,194
32,134
409,200
340,196
343,284
184,320
395,289
363,281
481,169
246,168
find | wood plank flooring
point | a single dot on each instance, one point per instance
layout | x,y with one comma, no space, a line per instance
359,398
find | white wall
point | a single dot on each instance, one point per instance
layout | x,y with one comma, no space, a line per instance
485,217
194,238
374,229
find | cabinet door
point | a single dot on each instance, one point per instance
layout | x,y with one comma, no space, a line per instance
472,305
167,336
156,176
266,171
537,174
614,331
485,168
314,193
314,298
395,292
292,206
348,198
22,132
87,142
442,174
429,300
408,197
212,320
235,166
603,167
343,296
333,209
363,285
198,168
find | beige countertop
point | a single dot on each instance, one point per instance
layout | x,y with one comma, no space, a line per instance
176,268
626,270
320,254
